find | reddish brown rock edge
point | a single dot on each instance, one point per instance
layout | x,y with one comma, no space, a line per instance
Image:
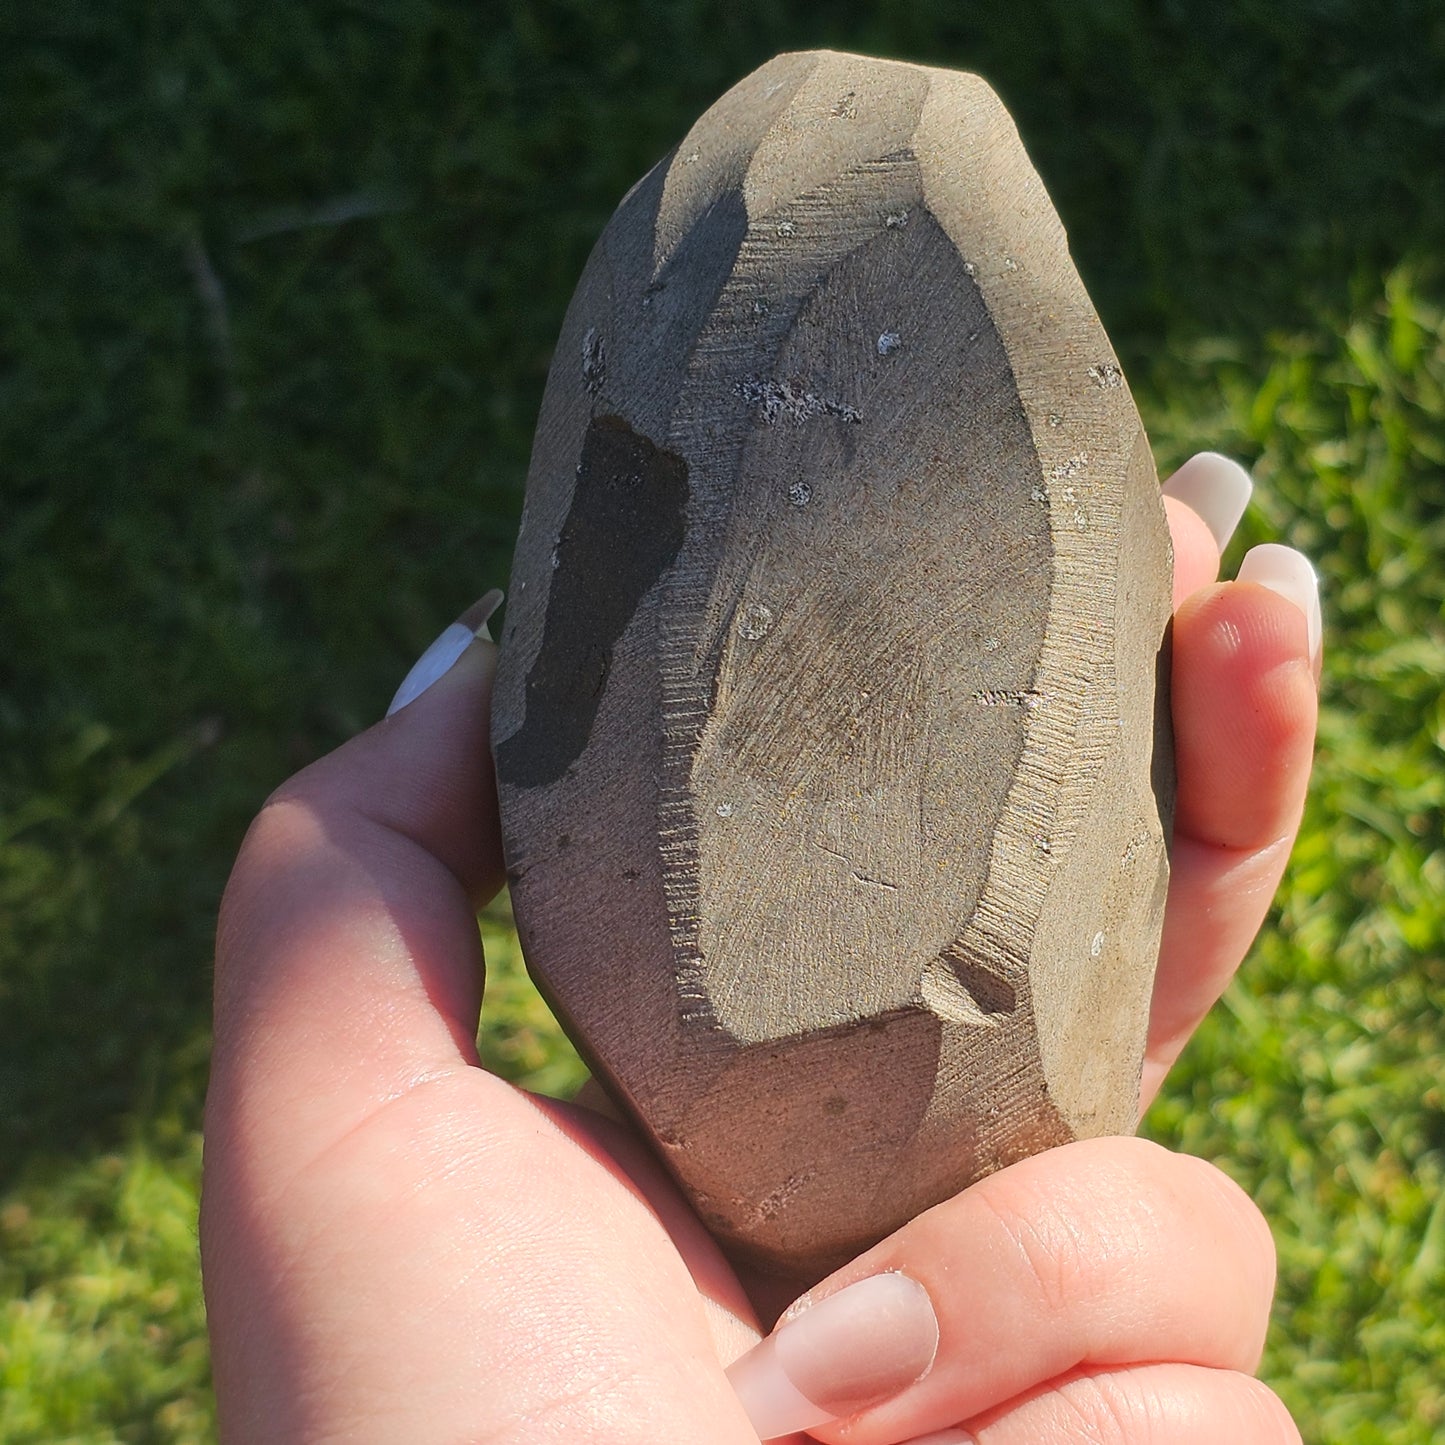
831,743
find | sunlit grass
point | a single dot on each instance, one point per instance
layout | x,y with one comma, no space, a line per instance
101,1325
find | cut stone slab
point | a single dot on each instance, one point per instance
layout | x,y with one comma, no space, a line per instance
830,726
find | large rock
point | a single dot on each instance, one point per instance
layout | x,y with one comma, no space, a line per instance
830,729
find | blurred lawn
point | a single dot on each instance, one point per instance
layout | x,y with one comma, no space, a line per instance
277,290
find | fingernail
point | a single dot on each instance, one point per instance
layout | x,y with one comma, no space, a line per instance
442,655
833,1358
1216,488
1289,573
945,1437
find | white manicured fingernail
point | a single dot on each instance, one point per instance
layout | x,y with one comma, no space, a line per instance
1216,488
442,655
833,1358
1289,573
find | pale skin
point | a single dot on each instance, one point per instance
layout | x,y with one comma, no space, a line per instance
398,1246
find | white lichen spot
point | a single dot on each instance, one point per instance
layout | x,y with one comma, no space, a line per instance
1106,375
724,810
691,160
1043,845
896,220
800,494
556,556
1055,419
888,343
1038,495
787,228
969,269
1081,517
990,644
1009,264
760,307
1071,467
791,401
1096,946
756,622
845,109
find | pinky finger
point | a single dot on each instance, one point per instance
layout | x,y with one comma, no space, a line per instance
1161,1404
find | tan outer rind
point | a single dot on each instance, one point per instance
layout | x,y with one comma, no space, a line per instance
831,748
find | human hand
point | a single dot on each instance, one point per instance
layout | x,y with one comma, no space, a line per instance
399,1246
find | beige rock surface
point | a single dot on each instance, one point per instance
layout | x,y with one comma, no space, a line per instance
832,753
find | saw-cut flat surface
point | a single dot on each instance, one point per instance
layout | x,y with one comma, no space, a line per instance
828,735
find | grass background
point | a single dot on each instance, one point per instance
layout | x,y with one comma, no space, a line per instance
278,286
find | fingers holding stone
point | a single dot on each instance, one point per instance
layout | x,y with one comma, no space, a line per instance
1106,1252
1244,703
1245,668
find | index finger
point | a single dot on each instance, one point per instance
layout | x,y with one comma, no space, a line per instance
1243,698
1103,1252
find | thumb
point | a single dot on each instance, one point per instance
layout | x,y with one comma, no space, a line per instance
396,1244
348,962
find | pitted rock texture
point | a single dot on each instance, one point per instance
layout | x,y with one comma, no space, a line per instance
830,732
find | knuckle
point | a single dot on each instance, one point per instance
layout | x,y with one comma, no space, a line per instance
1254,1241
1081,1221
1193,1186
1056,1248
1084,1229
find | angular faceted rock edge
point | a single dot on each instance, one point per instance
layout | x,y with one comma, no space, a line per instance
830,730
